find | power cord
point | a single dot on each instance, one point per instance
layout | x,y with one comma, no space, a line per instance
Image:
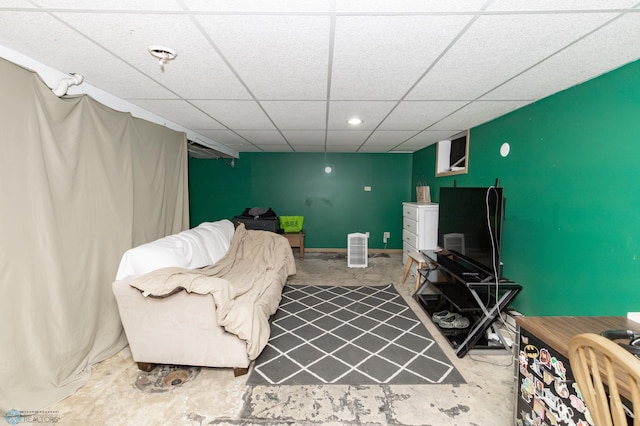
495,247
492,363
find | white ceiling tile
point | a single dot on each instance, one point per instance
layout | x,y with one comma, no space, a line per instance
128,36
293,115
240,115
180,112
226,137
429,137
371,113
389,137
554,5
418,115
497,48
381,57
406,147
17,4
376,148
547,78
276,148
246,148
271,6
348,137
408,6
268,137
304,137
477,113
342,148
308,148
138,5
278,57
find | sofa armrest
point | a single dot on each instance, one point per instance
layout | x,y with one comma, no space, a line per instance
180,329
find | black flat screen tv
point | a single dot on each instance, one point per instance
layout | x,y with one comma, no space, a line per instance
470,228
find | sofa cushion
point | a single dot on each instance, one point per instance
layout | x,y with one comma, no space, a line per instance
194,248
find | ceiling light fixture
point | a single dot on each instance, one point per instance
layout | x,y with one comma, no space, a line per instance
354,121
163,53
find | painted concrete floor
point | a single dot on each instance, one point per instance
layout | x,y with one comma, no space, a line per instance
215,397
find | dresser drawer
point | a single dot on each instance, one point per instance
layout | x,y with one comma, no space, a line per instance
410,225
410,238
408,249
410,212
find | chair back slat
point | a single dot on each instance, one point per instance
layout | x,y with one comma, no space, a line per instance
605,373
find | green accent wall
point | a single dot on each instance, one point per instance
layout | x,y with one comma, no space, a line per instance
572,182
333,205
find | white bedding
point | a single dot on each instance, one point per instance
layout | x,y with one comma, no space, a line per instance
194,248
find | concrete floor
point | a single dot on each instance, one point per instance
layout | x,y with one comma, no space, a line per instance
215,397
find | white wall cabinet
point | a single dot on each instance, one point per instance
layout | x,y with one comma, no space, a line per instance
419,229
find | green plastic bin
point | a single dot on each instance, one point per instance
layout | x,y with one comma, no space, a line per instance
291,223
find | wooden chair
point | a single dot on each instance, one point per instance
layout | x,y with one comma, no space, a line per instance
598,362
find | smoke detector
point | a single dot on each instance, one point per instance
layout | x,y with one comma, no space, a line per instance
163,53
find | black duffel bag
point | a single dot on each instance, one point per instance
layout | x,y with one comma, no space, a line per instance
259,218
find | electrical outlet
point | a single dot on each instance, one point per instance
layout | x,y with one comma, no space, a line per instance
386,236
367,234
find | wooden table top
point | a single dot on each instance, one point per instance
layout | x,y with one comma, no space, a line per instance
557,331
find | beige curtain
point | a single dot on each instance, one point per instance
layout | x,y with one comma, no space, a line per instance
80,183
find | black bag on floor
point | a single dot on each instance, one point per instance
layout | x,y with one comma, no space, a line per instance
259,218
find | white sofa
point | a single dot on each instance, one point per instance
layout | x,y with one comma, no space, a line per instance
183,327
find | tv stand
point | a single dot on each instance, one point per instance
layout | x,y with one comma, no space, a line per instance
448,287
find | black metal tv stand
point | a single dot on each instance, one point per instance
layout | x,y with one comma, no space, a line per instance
448,286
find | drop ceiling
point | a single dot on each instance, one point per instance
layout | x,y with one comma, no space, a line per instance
286,75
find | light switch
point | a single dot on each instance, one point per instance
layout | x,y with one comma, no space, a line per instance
367,188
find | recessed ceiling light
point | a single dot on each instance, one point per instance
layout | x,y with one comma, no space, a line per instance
354,121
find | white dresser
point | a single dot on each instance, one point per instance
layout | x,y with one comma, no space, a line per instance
419,228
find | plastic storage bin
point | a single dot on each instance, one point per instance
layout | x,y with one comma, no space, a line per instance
291,223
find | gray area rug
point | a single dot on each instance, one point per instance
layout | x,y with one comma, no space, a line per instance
350,336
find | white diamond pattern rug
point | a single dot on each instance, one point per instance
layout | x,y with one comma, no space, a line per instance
349,335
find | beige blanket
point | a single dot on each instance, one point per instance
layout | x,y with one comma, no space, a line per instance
246,284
